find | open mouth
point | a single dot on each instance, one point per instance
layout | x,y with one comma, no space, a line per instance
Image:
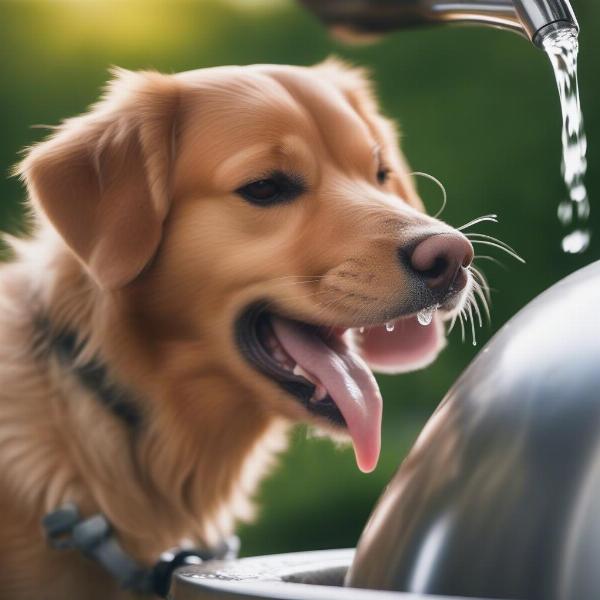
326,370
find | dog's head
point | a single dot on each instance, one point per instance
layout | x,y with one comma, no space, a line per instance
265,213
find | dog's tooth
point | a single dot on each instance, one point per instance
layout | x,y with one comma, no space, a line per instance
361,330
389,326
298,370
320,392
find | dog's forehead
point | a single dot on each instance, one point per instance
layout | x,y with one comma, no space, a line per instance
228,109
342,128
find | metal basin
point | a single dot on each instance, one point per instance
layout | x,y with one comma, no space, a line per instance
298,576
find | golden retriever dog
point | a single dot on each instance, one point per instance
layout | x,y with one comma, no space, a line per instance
214,255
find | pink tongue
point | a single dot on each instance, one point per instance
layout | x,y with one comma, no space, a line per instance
347,379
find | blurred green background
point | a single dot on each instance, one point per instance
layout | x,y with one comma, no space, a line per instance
478,109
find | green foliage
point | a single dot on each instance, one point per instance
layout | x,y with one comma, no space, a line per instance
478,109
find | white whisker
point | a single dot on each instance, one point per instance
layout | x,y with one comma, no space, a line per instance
490,258
496,241
470,307
491,217
452,323
485,236
479,278
282,284
484,302
511,252
268,304
300,278
440,185
476,309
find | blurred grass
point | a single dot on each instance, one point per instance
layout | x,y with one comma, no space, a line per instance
478,109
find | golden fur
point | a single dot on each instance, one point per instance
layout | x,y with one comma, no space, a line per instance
140,246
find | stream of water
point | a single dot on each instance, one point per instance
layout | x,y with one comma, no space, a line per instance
573,212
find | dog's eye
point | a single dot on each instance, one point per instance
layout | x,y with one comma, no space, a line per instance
277,188
383,174
263,190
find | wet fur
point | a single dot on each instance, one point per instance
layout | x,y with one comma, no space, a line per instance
152,283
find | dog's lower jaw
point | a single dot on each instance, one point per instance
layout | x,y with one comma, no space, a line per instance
187,473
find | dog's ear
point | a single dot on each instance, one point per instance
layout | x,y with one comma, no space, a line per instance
102,179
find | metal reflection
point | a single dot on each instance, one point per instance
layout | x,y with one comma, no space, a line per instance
529,18
429,555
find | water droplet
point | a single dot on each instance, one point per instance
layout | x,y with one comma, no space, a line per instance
425,316
576,242
362,330
565,212
578,193
389,326
583,210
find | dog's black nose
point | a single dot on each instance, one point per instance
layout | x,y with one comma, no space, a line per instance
441,261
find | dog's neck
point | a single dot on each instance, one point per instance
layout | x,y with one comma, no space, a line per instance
175,476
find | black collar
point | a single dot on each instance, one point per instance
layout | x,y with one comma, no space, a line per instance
94,376
95,538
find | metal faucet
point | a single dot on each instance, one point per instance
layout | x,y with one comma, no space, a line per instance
533,19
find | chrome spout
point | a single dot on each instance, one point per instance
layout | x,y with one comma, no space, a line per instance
540,18
533,19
